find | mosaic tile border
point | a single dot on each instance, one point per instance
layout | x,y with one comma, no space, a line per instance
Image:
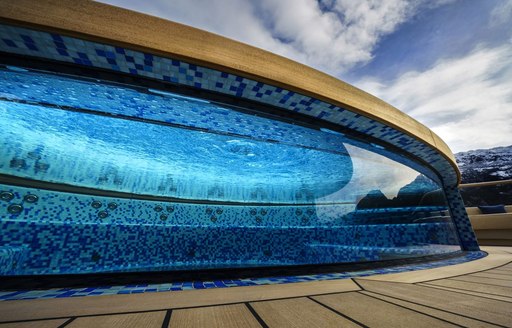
191,285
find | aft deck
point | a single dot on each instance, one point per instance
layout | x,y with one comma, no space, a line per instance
472,294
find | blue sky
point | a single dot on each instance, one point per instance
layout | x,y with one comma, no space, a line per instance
447,63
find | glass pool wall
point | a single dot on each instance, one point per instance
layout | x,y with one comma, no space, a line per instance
104,177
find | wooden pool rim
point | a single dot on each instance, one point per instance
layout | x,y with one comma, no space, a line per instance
116,26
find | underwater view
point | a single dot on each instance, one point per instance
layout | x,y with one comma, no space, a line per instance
99,176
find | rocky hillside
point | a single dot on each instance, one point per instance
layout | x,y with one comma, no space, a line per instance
485,164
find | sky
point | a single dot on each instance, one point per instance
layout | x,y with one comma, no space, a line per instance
446,63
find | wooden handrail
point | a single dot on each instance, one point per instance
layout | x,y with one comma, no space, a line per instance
485,184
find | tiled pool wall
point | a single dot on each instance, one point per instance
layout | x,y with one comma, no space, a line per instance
51,232
72,50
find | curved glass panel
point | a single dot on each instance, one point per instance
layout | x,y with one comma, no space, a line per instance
208,152
129,156
102,177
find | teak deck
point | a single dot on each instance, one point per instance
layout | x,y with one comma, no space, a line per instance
473,294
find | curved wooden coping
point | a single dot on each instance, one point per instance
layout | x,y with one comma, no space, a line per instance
113,25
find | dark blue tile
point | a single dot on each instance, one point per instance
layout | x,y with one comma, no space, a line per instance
57,38
27,39
31,46
60,45
10,43
82,55
63,52
119,50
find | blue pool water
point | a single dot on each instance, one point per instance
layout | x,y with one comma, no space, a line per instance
205,157
104,177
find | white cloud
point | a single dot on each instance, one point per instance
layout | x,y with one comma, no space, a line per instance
332,35
502,13
467,101
337,39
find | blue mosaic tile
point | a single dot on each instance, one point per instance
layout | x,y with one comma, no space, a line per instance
460,218
179,286
65,233
11,257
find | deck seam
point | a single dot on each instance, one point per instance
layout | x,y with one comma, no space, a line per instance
434,286
85,316
482,283
431,307
338,313
417,311
175,308
494,277
256,315
504,270
167,319
357,283
500,272
461,292
67,322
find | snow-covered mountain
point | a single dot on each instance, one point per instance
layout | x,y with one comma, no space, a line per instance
485,164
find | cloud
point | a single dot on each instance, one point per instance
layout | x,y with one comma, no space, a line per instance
338,37
502,13
330,35
467,101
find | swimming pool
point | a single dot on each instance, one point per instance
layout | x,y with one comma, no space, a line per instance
234,189
116,160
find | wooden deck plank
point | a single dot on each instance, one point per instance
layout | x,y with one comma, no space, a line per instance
492,311
505,270
506,267
134,320
489,262
35,324
484,280
224,316
470,292
357,306
79,306
475,303
494,275
298,313
473,286
456,319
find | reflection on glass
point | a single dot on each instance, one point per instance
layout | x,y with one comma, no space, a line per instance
236,189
